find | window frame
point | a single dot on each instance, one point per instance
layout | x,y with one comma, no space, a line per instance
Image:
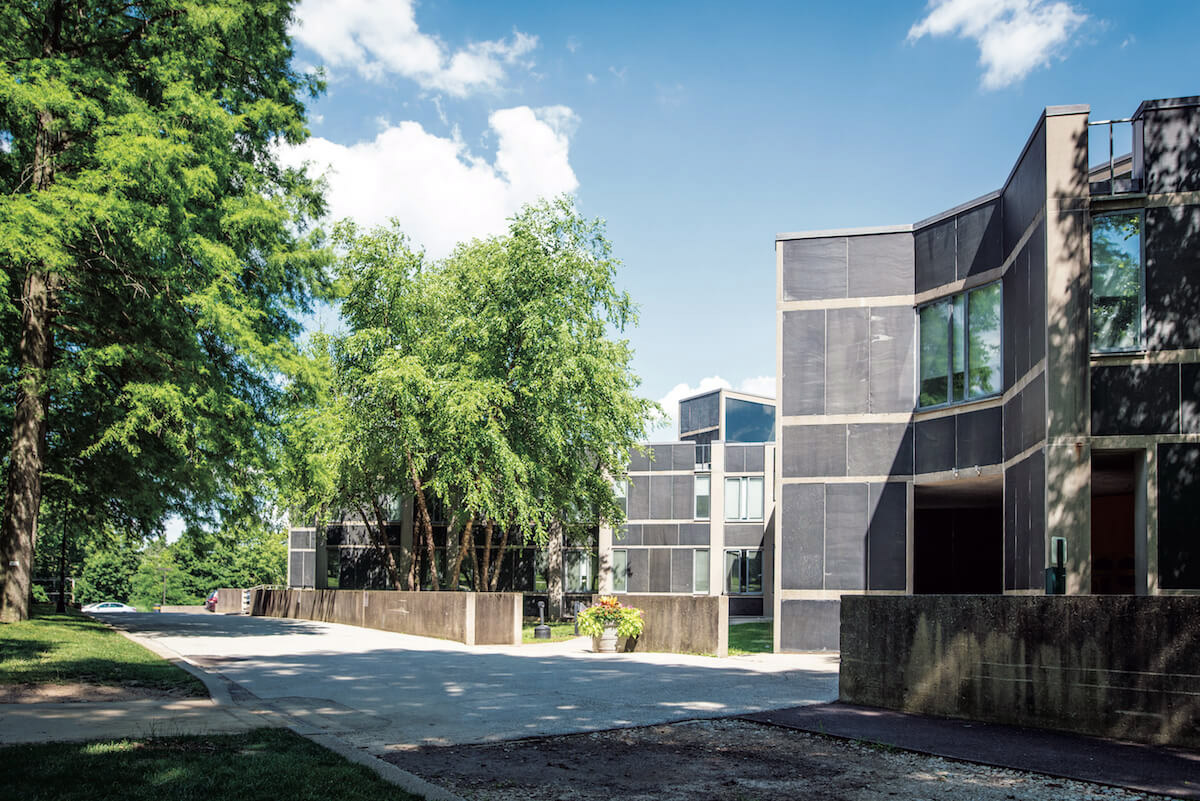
696,496
697,572
959,301
623,572
1140,346
743,573
742,500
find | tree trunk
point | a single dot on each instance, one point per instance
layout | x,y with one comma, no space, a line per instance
495,583
482,579
455,571
426,524
474,563
61,606
389,556
23,500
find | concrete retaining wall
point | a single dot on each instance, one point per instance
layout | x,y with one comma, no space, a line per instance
680,624
1118,666
229,601
467,617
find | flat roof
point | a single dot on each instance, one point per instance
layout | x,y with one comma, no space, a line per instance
833,232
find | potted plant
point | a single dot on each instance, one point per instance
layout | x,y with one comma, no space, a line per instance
608,620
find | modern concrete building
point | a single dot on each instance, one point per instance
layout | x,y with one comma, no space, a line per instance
1004,397
699,510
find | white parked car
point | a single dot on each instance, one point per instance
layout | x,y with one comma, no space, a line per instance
109,606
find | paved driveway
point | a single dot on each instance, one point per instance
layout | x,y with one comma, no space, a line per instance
377,690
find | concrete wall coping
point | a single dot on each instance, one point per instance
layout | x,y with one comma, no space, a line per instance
840,232
1165,104
959,209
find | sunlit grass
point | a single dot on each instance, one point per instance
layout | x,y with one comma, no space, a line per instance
751,638
261,765
558,631
52,648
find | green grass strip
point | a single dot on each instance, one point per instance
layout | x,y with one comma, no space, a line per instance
260,765
750,638
52,648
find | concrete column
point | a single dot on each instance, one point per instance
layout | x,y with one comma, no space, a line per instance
1068,369
604,547
716,525
555,579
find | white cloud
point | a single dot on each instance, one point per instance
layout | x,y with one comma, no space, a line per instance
591,78
376,38
573,43
439,190
1014,36
666,423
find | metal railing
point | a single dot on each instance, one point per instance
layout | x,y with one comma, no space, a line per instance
1135,178
703,456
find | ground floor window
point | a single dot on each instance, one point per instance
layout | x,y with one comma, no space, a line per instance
700,571
743,571
580,572
620,560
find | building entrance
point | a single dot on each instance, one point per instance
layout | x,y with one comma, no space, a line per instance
958,537
1113,522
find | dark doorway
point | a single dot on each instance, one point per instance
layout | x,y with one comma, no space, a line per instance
1113,522
958,538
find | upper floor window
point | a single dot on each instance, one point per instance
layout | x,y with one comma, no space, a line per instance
621,491
960,347
1117,282
702,497
744,498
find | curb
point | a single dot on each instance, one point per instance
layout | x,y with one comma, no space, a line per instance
218,688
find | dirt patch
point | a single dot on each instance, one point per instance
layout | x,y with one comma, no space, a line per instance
721,759
81,692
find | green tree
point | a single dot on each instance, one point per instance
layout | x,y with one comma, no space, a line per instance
107,572
154,252
159,577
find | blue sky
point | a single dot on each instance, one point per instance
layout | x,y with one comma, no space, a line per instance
699,131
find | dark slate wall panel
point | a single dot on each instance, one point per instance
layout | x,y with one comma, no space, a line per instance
638,462
660,570
979,438
845,536
893,359
1189,383
660,534
848,361
639,570
638,499
803,362
887,537
1172,160
934,251
1010,526
810,625
1012,426
879,449
1025,193
980,239
660,497
880,265
694,534
933,444
1037,521
814,451
802,536
1178,511
744,536
630,534
1033,412
755,458
1014,315
1173,277
814,269
701,412
1135,399
683,506
1018,274
662,459
681,570
1036,297
683,457
735,459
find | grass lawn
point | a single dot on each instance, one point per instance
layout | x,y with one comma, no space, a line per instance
50,648
750,638
558,631
261,765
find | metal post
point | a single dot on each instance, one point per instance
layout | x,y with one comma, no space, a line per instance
541,631
1112,181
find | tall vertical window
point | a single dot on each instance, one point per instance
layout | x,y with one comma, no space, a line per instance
579,572
1117,281
743,572
620,561
702,485
700,571
621,490
960,347
744,498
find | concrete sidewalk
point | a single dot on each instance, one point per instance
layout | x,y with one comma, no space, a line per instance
1145,768
146,717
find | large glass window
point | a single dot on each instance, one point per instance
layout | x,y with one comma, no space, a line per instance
747,421
579,572
743,572
703,497
744,498
700,571
620,570
1117,281
621,490
960,347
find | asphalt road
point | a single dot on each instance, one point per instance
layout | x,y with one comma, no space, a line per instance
379,690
